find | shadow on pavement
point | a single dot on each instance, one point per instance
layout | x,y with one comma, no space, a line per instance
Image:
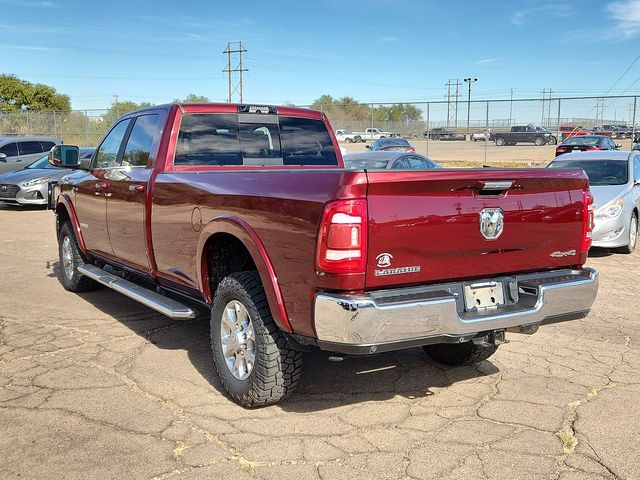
324,384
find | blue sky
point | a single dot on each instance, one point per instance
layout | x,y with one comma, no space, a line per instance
375,50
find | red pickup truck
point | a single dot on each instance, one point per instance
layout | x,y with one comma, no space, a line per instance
248,212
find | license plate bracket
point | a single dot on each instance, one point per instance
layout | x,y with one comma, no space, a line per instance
483,296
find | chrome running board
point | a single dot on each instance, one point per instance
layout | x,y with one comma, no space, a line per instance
149,298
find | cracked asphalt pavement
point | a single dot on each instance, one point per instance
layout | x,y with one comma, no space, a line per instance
97,386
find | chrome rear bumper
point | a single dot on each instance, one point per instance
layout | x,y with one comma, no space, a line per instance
400,318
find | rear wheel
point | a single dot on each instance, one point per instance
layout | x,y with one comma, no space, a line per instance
633,236
70,258
500,141
348,140
358,139
552,141
256,365
538,141
467,353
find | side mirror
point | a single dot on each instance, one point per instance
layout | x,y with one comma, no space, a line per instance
3,157
65,156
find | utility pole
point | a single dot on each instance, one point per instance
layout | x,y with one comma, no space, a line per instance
511,108
549,109
239,68
115,101
452,107
469,82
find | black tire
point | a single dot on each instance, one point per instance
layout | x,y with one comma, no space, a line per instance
552,141
277,366
358,139
633,239
69,276
348,140
454,354
500,142
538,141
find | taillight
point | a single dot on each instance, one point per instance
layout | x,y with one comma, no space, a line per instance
587,221
595,148
342,243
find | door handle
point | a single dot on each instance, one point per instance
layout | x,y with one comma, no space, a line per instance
139,188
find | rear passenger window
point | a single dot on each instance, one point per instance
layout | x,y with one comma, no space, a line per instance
29,148
141,141
221,139
10,150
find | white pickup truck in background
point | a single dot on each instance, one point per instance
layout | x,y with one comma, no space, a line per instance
344,135
347,136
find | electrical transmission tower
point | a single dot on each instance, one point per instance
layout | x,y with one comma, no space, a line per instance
452,107
546,106
234,57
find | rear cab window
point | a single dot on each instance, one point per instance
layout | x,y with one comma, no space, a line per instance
229,139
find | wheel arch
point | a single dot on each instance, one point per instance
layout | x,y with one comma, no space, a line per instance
227,228
66,212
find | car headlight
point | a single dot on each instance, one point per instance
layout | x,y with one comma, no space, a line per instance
37,181
610,211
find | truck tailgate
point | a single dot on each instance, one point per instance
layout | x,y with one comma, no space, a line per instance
424,226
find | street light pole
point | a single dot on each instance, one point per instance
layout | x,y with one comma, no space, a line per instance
469,82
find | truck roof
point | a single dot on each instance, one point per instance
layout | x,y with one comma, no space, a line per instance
237,108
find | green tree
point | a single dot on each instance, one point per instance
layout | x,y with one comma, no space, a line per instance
193,98
18,95
118,109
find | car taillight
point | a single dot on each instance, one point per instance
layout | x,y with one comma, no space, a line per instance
342,242
595,148
587,221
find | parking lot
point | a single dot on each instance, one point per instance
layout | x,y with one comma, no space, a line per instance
97,386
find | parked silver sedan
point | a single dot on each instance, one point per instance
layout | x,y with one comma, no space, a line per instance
614,178
30,185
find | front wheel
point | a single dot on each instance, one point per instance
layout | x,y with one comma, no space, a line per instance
454,354
256,365
70,258
633,236
358,139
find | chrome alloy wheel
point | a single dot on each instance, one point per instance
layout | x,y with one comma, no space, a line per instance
238,339
67,258
633,232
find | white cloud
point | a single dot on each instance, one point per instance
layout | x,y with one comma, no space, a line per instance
486,60
626,14
31,3
388,40
520,17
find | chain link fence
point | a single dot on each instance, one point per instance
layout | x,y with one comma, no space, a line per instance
84,128
562,116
